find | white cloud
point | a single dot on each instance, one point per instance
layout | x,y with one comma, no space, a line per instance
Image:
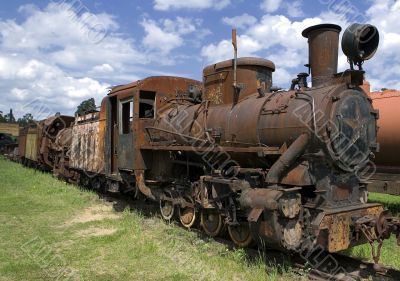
294,9
158,39
165,5
56,34
270,6
165,35
384,69
41,29
180,25
49,55
279,30
271,31
217,52
282,76
37,82
224,50
104,68
277,38
52,55
241,21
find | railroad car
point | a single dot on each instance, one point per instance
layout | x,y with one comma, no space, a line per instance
9,128
35,141
22,144
106,146
386,178
283,169
30,142
8,139
7,143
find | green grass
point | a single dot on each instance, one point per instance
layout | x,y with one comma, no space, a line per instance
391,202
390,251
55,231
52,230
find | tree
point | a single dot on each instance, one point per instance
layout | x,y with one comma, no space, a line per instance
86,106
25,120
9,118
2,119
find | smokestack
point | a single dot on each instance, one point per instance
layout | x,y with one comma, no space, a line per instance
323,45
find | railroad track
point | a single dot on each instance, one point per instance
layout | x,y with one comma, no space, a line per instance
352,269
332,267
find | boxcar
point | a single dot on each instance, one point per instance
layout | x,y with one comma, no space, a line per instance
9,128
31,145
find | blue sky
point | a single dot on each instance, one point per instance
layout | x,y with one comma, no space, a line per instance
54,54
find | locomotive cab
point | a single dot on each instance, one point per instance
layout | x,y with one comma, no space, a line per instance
128,110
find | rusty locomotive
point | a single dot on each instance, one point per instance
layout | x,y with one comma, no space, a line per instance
282,168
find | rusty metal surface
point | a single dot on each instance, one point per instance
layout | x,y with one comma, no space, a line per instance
388,134
252,73
260,198
102,134
354,39
10,128
125,151
277,119
63,139
61,147
165,89
48,130
284,175
323,43
288,158
22,141
85,153
338,226
31,147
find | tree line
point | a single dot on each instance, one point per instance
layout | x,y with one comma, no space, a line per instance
84,107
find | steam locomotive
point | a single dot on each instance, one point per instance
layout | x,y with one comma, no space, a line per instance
282,168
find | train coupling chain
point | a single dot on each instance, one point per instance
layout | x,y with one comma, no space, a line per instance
376,229
367,226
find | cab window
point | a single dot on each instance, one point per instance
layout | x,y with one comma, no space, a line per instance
126,116
147,104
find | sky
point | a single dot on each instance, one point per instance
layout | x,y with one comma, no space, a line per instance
55,54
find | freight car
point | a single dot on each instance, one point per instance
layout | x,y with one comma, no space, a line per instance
35,141
8,139
7,143
281,168
386,178
9,128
